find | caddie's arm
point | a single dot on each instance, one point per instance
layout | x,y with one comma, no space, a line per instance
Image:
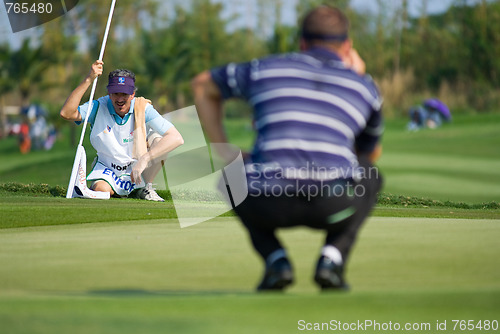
69,111
169,142
208,100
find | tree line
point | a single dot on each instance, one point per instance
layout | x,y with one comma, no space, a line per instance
451,55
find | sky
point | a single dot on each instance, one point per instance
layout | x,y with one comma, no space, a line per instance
247,9
415,6
247,12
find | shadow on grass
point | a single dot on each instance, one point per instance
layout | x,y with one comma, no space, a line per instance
127,293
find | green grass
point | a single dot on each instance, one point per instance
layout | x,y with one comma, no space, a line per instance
429,254
459,162
25,209
239,313
150,276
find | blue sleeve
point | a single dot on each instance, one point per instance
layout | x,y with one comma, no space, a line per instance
155,121
232,79
83,109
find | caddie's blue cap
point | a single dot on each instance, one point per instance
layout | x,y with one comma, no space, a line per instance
121,85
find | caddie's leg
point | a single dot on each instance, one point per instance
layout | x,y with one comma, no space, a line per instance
151,171
102,186
149,192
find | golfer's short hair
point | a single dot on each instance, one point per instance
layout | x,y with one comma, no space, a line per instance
325,24
122,73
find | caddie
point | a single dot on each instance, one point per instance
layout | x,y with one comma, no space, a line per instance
130,136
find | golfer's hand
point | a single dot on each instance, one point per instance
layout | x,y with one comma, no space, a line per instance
354,62
96,69
137,170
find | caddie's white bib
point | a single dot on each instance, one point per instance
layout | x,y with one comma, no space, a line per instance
112,141
114,145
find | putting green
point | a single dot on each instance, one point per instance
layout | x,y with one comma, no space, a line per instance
154,277
392,253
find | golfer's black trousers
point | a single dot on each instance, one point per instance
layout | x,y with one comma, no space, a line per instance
340,214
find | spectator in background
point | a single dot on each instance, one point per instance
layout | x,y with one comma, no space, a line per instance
431,114
36,133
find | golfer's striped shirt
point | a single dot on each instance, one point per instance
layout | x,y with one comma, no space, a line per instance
310,112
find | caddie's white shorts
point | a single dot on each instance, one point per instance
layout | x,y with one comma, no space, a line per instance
121,184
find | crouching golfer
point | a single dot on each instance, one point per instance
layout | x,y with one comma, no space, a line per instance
318,123
129,135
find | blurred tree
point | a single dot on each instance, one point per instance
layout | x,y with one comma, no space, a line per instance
400,26
480,36
6,85
459,48
193,41
59,51
166,44
25,67
284,38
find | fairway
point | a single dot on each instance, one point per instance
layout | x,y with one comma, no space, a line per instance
151,276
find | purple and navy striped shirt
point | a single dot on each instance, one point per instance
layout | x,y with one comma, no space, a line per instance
311,113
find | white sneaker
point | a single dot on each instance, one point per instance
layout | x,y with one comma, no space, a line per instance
149,193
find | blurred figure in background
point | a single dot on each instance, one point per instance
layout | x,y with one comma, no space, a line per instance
35,132
24,137
431,114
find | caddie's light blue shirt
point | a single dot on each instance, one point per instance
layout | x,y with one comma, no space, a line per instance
153,119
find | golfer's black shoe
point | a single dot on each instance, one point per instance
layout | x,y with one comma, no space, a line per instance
329,275
277,276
